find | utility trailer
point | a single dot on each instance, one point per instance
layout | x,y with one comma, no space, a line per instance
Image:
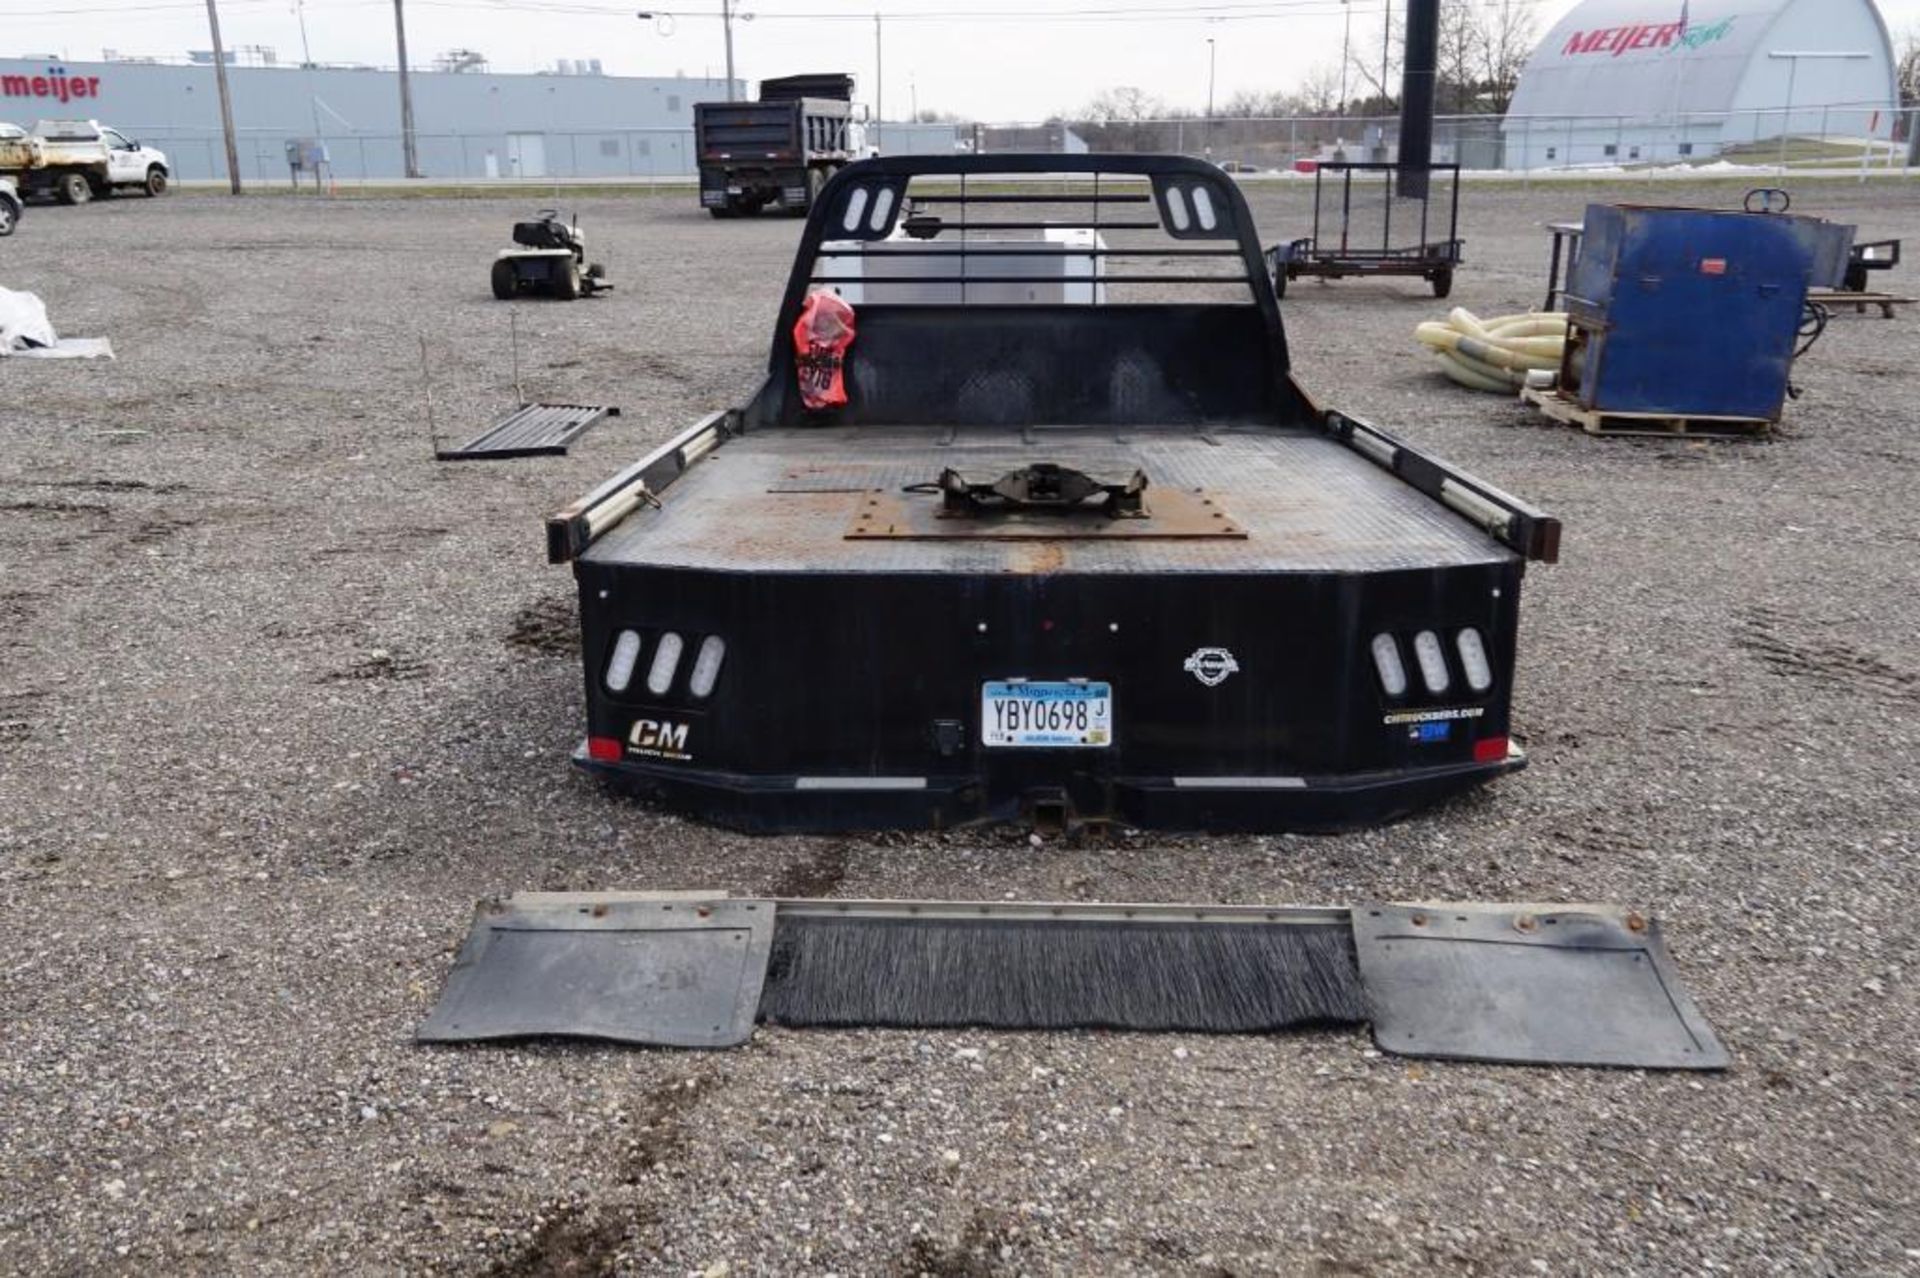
1332,256
1065,562
777,151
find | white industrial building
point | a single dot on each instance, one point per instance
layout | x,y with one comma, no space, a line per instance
1644,81
469,123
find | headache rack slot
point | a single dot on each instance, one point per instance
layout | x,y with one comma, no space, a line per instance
1036,198
873,281
1094,224
962,248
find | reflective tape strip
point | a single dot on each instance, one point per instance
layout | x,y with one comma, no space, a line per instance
859,783
1239,783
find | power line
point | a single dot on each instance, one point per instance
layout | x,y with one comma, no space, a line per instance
132,8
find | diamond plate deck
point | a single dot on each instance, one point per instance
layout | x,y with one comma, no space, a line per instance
782,500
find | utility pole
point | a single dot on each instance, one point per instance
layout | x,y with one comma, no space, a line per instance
726,31
306,69
1346,59
1386,48
1211,50
879,116
226,99
409,155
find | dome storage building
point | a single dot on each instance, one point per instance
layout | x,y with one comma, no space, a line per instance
1643,81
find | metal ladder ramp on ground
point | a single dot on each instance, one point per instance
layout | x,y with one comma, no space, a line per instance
531,430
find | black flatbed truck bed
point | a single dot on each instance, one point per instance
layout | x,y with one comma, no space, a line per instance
864,637
781,500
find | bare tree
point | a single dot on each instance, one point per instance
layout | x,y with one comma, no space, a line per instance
1483,44
1509,31
1252,104
1123,105
1457,64
1909,66
1320,91
1376,73
1119,119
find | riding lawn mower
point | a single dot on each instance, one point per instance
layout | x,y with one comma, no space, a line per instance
549,260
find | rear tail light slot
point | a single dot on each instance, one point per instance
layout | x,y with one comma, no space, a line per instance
1432,659
706,666
626,653
666,661
1387,664
1473,659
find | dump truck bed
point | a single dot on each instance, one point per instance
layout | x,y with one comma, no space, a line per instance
788,499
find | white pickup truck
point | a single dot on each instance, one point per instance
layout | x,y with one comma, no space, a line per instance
76,160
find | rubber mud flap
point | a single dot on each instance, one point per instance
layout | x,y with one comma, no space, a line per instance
1540,985
662,970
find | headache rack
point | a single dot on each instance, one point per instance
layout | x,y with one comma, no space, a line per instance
1011,235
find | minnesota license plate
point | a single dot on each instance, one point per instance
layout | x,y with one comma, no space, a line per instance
1027,713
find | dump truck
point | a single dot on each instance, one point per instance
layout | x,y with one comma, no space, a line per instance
76,160
778,151
1069,553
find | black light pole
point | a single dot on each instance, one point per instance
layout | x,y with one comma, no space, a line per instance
1416,97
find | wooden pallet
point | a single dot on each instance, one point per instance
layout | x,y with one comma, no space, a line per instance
1835,298
1661,425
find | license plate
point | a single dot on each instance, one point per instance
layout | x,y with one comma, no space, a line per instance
1025,713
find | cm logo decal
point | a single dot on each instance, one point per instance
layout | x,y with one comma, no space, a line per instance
659,739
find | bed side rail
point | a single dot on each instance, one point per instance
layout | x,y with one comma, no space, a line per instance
577,526
1522,528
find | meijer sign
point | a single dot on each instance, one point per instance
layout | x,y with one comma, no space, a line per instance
56,84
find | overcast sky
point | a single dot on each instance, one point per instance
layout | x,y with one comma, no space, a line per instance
990,60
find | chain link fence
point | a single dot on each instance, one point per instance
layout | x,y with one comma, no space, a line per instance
1863,139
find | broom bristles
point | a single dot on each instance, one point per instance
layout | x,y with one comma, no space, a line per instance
1033,974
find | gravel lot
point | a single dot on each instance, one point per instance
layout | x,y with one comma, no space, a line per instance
280,698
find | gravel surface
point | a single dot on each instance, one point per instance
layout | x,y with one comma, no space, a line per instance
280,698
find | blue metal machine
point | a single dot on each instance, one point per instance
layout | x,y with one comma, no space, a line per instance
1690,312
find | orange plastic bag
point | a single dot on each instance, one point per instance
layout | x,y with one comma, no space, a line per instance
820,341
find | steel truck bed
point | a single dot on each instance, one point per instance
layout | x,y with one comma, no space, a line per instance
911,610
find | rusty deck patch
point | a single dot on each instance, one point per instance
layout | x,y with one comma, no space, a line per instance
1171,513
